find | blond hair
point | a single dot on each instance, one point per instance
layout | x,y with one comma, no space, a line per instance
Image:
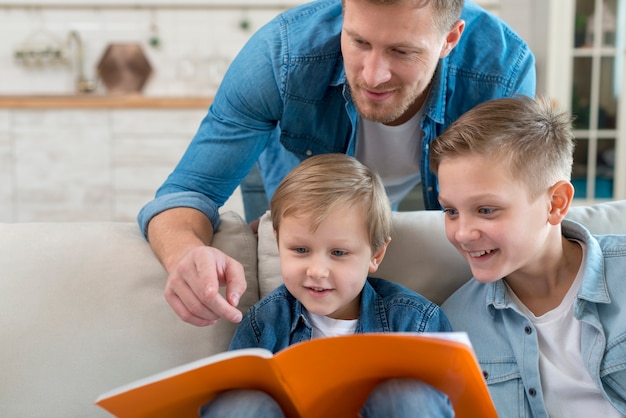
446,12
532,137
322,183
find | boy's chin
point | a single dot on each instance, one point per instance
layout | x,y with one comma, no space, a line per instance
482,277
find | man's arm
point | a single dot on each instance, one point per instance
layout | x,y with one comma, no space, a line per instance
180,238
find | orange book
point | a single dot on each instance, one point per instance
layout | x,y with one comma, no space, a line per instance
318,378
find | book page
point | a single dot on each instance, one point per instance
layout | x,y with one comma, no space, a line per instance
182,390
185,368
334,376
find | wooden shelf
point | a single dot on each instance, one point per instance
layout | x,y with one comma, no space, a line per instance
102,102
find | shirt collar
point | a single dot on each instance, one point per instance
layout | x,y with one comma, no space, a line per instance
594,288
339,74
371,316
435,105
297,315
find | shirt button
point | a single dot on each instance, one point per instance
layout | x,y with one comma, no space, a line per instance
532,392
309,152
485,374
528,330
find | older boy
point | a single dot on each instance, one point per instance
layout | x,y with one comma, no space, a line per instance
332,221
545,308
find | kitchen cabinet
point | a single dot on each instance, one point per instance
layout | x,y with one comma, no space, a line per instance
587,76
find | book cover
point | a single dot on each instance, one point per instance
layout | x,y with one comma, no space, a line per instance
317,378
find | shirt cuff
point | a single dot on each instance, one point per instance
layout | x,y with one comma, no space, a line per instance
162,203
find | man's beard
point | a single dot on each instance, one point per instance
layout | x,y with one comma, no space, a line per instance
381,112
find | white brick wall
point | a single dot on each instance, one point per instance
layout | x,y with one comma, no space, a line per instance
192,37
190,40
105,164
82,165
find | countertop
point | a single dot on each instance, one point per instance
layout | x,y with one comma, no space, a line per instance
102,101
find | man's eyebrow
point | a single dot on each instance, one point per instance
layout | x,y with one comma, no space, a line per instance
354,34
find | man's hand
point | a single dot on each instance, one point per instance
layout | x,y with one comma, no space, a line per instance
192,288
180,238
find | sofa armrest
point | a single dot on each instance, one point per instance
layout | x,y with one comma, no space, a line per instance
82,311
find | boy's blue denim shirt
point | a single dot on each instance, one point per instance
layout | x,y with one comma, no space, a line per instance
278,321
506,344
285,98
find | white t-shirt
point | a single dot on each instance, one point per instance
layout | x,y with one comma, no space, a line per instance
324,326
393,152
568,390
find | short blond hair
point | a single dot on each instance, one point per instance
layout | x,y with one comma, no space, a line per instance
320,184
530,136
447,12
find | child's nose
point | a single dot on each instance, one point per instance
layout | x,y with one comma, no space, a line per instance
466,230
318,268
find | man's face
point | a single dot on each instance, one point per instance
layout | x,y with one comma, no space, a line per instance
390,55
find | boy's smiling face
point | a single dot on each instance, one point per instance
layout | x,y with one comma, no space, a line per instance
326,269
491,220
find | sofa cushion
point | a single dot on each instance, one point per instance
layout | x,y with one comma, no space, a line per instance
601,218
418,257
421,258
82,311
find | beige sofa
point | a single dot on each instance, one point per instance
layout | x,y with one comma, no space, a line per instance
82,311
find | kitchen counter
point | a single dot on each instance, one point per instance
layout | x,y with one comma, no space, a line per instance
101,101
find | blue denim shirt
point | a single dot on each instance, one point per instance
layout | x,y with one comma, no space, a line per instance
277,321
286,94
505,341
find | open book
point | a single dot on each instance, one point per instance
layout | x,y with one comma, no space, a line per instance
318,378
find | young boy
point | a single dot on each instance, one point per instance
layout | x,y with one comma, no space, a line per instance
545,310
332,221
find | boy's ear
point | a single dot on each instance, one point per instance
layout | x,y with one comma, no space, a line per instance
561,195
378,256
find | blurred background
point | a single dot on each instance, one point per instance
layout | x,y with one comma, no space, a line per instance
99,98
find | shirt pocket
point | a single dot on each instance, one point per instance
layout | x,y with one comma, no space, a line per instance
505,384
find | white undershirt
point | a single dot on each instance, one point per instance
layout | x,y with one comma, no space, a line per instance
324,326
568,390
393,152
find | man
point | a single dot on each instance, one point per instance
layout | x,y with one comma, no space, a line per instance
376,79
